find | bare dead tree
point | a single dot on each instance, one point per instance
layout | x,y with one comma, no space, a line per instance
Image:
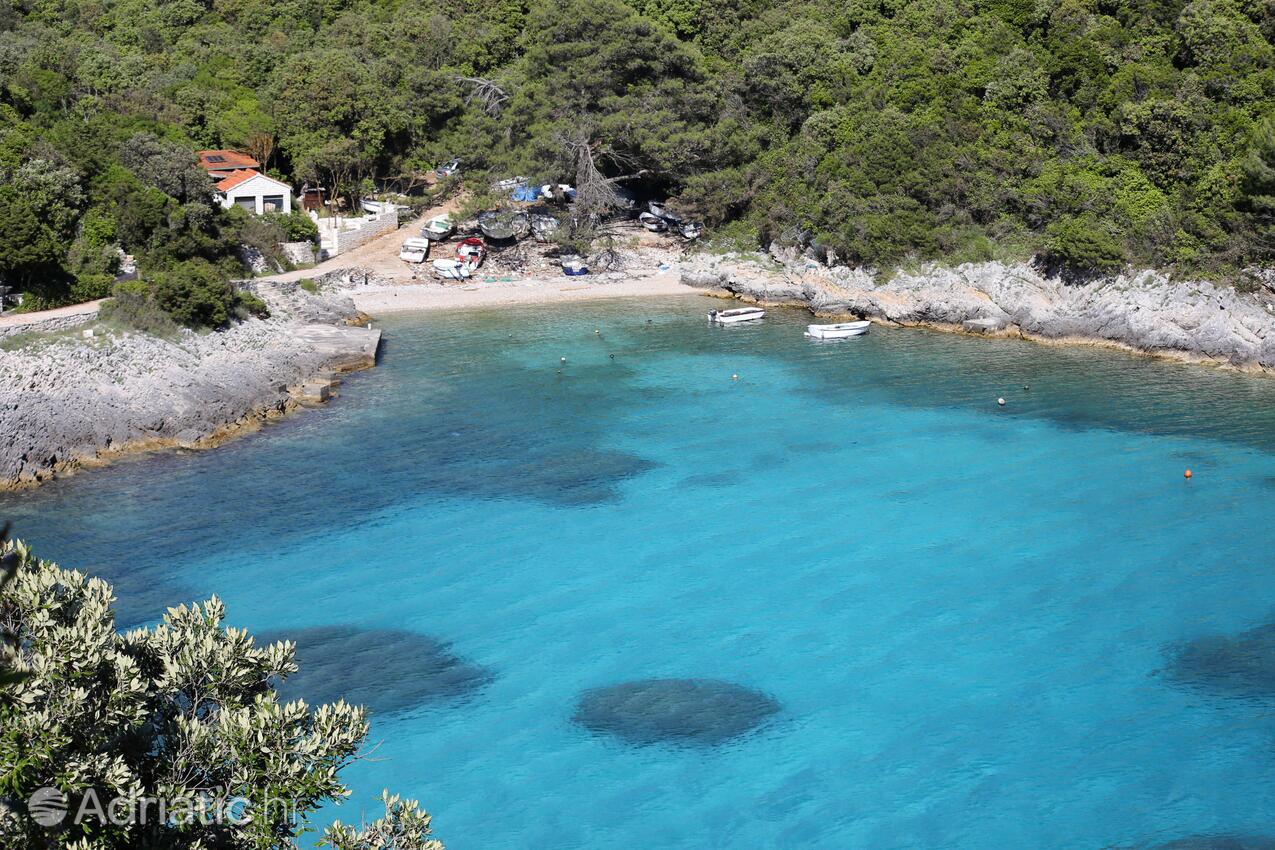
595,192
260,146
485,92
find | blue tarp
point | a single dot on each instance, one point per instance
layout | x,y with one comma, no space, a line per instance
526,193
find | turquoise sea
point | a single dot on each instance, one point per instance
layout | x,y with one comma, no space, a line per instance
894,614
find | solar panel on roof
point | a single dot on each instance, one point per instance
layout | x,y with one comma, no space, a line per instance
216,159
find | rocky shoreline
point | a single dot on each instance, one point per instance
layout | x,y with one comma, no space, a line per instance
82,398
1146,313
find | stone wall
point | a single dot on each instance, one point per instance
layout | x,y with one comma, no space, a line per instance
49,321
299,253
370,228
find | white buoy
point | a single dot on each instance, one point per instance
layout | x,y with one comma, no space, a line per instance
564,360
1001,402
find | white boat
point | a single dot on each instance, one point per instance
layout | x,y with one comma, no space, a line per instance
734,317
560,192
414,250
471,253
690,229
656,208
573,265
374,207
452,269
838,331
510,183
438,228
653,222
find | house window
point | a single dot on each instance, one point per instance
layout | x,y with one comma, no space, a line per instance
248,202
272,203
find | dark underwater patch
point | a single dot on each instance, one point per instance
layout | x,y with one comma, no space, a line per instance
696,712
1243,665
387,670
491,436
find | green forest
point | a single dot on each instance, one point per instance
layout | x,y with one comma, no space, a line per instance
1089,134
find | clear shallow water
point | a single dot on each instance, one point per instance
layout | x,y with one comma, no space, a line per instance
966,615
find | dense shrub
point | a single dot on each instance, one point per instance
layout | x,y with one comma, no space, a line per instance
132,306
296,226
185,712
194,294
1082,243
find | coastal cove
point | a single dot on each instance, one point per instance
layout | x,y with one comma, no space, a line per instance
496,549
85,403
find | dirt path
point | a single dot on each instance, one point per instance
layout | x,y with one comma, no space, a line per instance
380,255
17,320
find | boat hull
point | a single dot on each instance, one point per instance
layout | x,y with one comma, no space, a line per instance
437,229
652,222
452,269
839,331
736,317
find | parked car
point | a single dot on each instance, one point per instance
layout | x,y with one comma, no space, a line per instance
447,169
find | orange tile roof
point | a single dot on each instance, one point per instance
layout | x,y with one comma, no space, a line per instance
236,179
226,160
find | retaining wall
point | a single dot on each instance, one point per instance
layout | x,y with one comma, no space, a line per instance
49,321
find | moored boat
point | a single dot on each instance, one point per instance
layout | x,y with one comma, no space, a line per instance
438,228
736,316
840,330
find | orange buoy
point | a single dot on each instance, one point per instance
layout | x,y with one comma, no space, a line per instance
1187,474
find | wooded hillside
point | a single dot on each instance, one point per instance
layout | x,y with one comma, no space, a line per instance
1090,133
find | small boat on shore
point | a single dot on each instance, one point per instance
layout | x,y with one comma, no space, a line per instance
573,265
471,251
414,250
653,222
372,206
452,269
504,226
559,193
438,228
509,183
543,226
838,331
690,229
736,316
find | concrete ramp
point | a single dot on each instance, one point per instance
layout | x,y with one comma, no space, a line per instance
347,348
